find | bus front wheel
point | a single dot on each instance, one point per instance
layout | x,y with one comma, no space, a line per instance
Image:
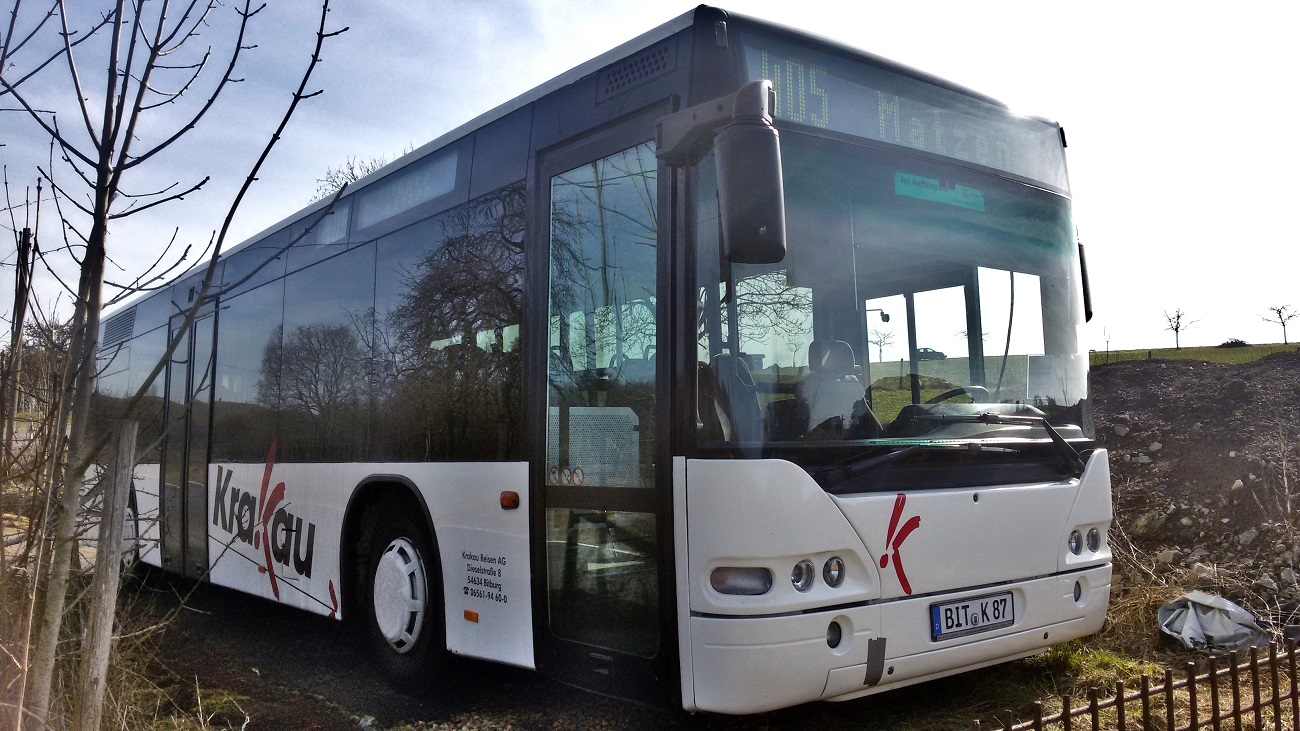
403,596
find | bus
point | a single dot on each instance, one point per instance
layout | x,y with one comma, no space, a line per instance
733,369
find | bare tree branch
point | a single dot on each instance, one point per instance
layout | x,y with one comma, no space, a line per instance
54,57
72,66
245,15
174,197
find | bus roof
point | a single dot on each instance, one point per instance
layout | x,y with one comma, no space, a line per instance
622,51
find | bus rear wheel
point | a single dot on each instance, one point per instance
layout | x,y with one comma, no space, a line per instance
403,601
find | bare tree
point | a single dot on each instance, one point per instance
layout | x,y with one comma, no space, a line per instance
880,338
152,63
1178,322
1281,315
352,170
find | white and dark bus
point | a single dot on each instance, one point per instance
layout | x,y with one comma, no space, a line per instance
731,370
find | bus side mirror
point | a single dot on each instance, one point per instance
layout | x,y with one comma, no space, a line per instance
751,198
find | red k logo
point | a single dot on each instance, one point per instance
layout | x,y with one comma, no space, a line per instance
894,540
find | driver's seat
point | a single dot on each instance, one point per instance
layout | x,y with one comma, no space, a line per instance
831,390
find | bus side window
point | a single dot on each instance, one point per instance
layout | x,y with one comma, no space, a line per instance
603,322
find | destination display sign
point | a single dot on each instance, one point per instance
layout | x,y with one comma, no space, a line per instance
856,98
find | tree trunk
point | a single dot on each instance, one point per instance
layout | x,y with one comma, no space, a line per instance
108,573
69,458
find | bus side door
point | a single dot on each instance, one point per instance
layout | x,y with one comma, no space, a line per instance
188,419
603,597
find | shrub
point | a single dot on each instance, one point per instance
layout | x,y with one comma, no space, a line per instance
1234,343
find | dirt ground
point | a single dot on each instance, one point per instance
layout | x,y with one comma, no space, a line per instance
1204,460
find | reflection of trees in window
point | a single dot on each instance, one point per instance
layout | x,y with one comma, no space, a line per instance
603,235
322,376
767,309
454,376
602,324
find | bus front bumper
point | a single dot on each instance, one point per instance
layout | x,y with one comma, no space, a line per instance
755,664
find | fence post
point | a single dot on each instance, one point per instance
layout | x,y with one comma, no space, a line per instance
1146,701
1236,690
1093,710
1119,705
1169,698
1038,716
108,573
1065,713
1254,688
1277,696
1290,661
1191,696
1214,692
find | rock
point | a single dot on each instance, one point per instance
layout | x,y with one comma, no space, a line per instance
1202,572
1232,454
1120,430
1267,583
1155,447
1238,484
1142,459
1167,556
1185,521
1147,523
1236,389
1288,576
1248,536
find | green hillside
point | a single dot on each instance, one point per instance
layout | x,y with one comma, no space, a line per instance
1210,354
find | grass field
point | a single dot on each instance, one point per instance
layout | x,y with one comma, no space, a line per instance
1208,354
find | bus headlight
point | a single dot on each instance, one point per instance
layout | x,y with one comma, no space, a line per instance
1094,540
743,580
1076,542
833,571
802,575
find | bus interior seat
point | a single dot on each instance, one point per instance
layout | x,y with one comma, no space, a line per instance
737,398
831,390
708,407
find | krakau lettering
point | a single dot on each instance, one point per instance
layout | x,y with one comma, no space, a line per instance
286,539
220,516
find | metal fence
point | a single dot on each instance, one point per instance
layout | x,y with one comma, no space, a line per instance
1250,691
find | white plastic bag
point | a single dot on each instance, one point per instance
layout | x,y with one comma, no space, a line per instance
1208,623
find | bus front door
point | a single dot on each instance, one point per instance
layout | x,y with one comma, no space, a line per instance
603,601
185,450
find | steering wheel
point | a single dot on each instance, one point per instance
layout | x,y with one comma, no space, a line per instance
972,391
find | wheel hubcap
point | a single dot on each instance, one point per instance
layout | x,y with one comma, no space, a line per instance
400,594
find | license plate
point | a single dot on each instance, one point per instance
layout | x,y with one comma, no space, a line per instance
972,616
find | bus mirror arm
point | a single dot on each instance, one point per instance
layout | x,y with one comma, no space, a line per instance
1087,293
747,152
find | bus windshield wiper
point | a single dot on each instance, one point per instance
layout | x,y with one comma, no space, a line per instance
1069,455
840,472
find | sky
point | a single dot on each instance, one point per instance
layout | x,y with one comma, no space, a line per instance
1178,119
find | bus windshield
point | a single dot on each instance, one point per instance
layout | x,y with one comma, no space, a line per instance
915,291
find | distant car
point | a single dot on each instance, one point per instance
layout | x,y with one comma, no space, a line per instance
929,354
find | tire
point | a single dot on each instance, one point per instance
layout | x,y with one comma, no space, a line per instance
402,602
131,566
